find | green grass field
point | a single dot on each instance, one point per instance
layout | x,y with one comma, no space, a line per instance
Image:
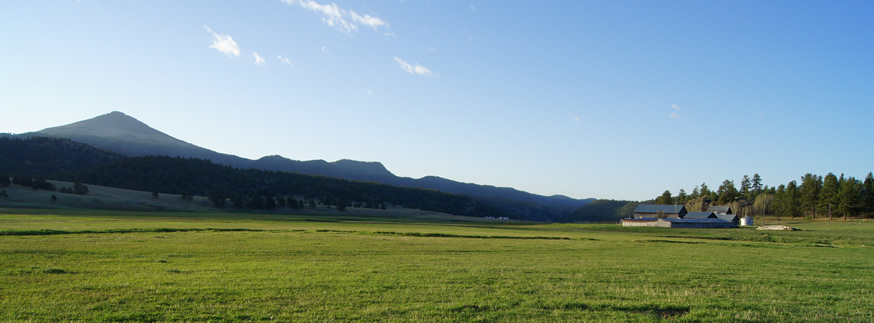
128,266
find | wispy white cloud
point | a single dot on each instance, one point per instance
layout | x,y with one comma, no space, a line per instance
224,43
258,59
760,114
285,61
344,20
327,52
675,106
413,69
674,115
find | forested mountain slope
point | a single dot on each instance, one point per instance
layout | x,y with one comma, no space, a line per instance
226,186
128,136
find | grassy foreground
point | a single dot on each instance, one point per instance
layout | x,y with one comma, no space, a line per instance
127,266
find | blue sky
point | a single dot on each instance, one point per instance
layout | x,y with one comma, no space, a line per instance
604,99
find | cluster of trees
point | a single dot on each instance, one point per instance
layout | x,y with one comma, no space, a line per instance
78,189
36,183
816,196
257,202
727,192
819,196
39,183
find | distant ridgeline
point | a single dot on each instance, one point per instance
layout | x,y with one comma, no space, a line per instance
226,186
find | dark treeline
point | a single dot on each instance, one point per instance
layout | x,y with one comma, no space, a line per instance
29,161
603,211
49,157
258,189
814,197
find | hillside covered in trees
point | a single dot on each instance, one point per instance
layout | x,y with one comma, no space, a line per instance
603,211
35,159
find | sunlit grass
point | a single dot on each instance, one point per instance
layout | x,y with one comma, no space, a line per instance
231,267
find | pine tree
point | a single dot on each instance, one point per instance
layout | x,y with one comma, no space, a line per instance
849,196
809,193
828,197
757,184
745,187
868,194
790,202
779,201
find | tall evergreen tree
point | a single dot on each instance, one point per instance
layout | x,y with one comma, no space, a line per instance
745,187
868,194
779,201
757,183
828,197
849,196
791,200
809,195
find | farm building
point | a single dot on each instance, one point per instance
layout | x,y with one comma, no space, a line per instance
678,223
676,216
720,209
700,215
660,211
728,217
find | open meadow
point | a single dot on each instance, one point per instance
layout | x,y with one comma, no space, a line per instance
77,265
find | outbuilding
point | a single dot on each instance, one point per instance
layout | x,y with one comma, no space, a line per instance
729,217
678,223
700,215
659,211
720,209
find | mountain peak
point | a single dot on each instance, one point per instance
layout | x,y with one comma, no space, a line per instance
114,125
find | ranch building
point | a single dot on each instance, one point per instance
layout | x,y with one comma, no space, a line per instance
659,211
700,215
676,216
720,209
678,223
